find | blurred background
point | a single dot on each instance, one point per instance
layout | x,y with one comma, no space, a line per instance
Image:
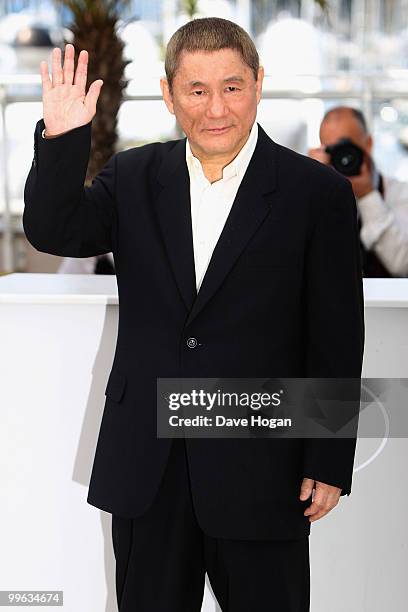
316,55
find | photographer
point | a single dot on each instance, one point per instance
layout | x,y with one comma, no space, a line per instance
382,201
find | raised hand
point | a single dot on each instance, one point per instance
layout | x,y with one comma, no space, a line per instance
65,104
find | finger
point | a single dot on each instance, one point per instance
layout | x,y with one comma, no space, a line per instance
82,70
93,95
330,503
319,503
45,77
367,159
312,509
365,169
306,488
57,76
318,515
68,69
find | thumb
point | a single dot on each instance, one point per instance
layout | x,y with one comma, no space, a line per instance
92,96
306,488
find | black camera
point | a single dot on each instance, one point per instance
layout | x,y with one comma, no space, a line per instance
346,157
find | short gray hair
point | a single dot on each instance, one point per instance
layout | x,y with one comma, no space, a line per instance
210,34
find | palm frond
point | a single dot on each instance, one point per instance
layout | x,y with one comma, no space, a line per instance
324,5
190,7
107,7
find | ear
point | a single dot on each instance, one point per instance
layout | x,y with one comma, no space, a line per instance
369,144
167,97
261,74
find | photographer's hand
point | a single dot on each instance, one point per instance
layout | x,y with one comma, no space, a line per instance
320,154
363,183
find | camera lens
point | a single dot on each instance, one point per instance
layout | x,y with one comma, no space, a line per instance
346,157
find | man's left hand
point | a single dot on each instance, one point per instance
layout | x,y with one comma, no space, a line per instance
325,498
363,183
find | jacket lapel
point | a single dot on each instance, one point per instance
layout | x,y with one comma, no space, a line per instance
174,217
249,210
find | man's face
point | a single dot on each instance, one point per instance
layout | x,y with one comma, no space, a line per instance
214,99
344,126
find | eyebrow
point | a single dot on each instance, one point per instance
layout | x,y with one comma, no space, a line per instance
234,78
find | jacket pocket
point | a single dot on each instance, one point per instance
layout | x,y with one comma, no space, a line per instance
116,385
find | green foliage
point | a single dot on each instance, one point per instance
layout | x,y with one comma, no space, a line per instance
190,7
324,5
110,8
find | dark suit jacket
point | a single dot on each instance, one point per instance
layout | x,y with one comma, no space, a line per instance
282,297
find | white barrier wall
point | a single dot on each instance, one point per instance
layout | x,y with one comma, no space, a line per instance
57,339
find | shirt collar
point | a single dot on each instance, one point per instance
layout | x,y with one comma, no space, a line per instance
237,166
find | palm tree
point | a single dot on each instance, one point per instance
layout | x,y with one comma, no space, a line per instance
190,7
94,28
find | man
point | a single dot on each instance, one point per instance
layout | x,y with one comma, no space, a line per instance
235,257
382,201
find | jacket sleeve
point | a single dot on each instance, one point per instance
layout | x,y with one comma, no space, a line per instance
61,216
334,324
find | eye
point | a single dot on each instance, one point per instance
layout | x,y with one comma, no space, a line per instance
198,91
232,88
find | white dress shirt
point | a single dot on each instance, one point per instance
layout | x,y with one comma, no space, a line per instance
212,202
384,224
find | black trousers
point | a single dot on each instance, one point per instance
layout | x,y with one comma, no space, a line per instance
162,557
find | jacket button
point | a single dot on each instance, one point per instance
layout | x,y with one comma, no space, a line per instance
192,342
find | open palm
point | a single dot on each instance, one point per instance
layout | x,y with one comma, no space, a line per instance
66,105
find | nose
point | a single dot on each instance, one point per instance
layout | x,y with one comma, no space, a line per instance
216,106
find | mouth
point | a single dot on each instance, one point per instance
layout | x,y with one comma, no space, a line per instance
219,130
